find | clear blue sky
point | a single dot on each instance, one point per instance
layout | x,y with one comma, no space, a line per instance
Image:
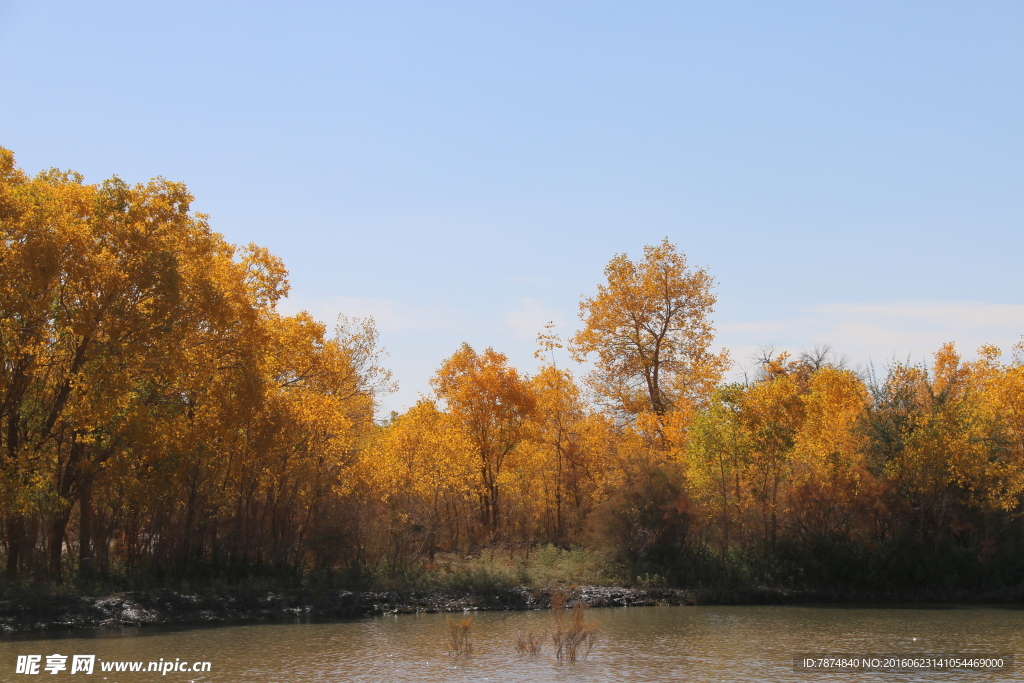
850,172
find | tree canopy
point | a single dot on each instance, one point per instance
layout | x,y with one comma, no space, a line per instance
650,330
162,421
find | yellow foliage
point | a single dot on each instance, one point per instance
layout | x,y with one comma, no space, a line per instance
650,331
491,403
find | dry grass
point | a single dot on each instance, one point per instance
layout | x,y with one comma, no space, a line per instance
528,643
458,637
575,639
497,567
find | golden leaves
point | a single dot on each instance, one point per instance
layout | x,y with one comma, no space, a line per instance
140,354
422,453
964,428
650,330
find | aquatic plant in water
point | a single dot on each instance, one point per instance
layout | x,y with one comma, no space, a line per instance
575,639
458,637
528,643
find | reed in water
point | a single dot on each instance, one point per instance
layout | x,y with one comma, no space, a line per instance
528,643
573,638
458,637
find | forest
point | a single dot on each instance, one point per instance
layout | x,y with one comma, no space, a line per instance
162,422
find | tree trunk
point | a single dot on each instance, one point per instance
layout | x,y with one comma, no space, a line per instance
15,545
85,554
58,528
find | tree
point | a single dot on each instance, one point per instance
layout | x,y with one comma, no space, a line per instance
492,402
650,330
718,459
106,292
153,404
421,466
567,441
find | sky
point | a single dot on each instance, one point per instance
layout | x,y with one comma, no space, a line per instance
850,172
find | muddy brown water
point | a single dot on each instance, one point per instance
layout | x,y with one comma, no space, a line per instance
701,643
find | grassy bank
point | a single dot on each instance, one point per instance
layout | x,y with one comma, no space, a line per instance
484,569
494,578
544,566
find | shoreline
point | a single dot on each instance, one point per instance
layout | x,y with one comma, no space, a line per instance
51,614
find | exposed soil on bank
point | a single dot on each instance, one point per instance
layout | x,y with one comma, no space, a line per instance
61,613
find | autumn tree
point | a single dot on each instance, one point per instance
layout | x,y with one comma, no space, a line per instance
491,402
649,332
107,288
421,466
153,404
956,456
718,460
783,457
568,443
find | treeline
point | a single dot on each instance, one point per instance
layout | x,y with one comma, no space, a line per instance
160,421
812,476
158,418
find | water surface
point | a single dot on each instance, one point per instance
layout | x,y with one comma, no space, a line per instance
633,644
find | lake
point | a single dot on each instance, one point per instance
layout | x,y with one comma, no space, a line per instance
702,643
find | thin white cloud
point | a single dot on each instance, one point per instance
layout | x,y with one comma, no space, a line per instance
880,331
949,315
765,326
528,317
388,314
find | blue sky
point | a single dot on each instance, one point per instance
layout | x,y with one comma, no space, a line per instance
850,172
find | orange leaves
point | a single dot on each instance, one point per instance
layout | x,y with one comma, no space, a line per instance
786,451
568,444
482,388
134,342
650,330
488,397
150,385
423,454
963,429
491,403
266,278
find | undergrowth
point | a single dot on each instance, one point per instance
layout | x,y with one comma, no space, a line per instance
500,568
